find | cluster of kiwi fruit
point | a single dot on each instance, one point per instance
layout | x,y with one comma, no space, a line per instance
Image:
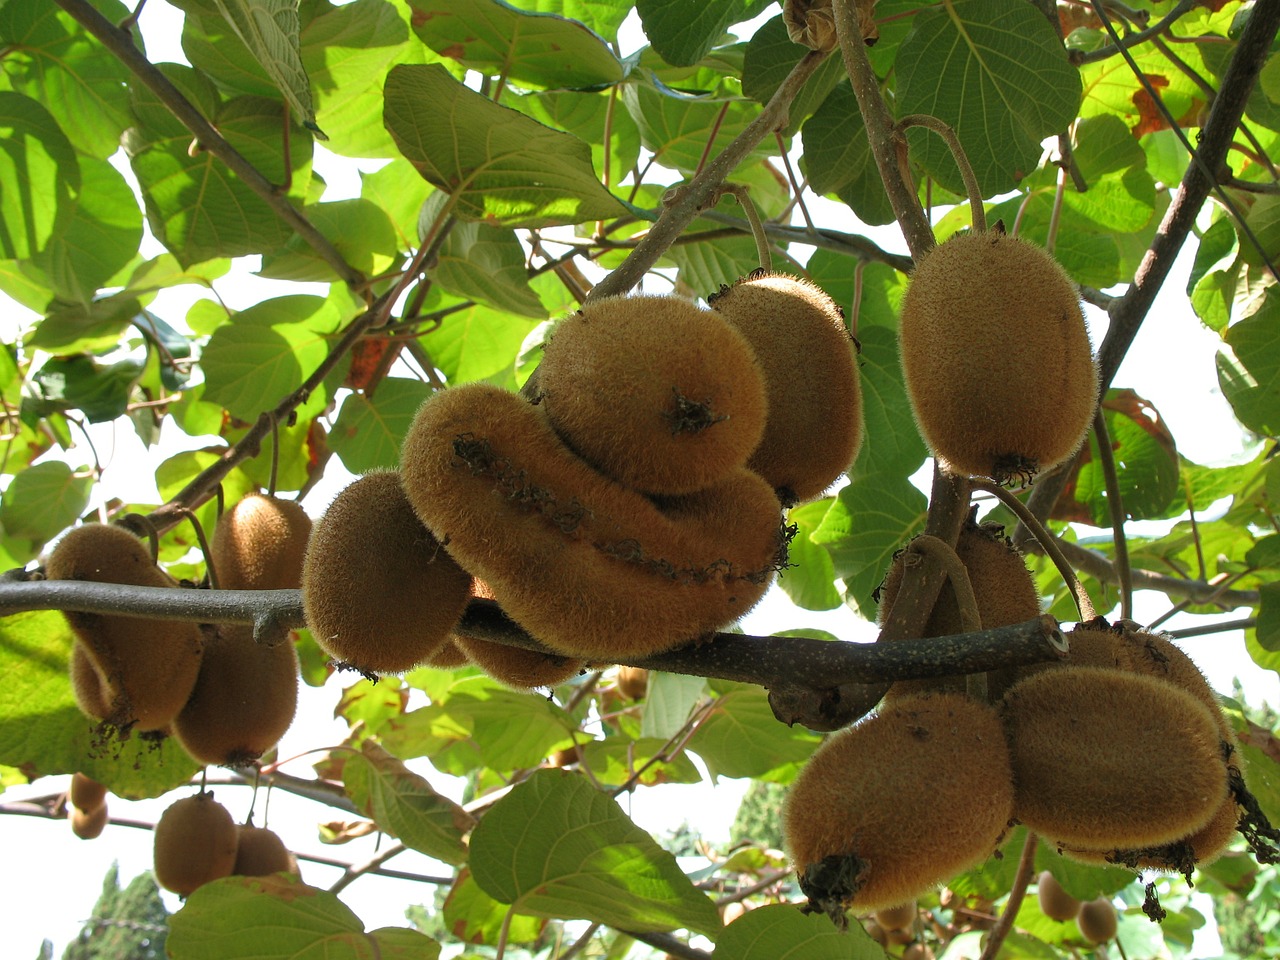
633,505
1096,919
197,841
224,697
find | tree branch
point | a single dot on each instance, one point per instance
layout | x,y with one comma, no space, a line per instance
121,44
1099,567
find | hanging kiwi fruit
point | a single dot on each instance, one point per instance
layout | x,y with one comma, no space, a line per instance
260,852
379,591
798,333
996,357
145,668
259,544
195,842
593,569
656,392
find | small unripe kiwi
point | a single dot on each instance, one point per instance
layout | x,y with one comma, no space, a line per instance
899,917
655,392
918,951
89,824
996,357
860,829
145,668
633,682
86,793
591,568
379,591
260,852
1097,920
1108,759
875,932
259,544
799,336
195,842
244,699
522,669
1055,902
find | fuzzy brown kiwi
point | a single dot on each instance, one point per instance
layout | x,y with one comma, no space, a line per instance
522,669
448,657
593,569
89,824
146,668
244,698
1097,920
996,357
1003,588
260,852
859,828
899,917
655,392
259,544
86,793
1109,759
195,842
379,591
799,336
633,682
1055,902
1181,856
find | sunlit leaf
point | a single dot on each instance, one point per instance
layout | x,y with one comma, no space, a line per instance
742,738
780,931
368,431
39,176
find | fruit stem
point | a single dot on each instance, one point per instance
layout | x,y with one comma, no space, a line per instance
204,545
1084,606
742,194
1011,906
946,556
1114,503
948,134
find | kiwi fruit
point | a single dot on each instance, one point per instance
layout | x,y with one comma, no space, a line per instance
516,667
918,951
1055,902
633,682
145,668
656,392
86,793
379,591
89,824
899,917
1106,759
860,829
593,569
195,842
259,544
448,657
260,852
996,357
798,333
244,698
1097,920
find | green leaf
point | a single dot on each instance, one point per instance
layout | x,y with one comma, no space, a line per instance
76,327
499,165
675,124
1263,219
742,738
996,72
529,47
669,700
473,342
42,732
269,28
613,761
837,158
709,264
100,391
770,57
683,32
1268,628
43,499
368,431
809,578
39,176
875,515
557,847
890,439
279,917
249,367
359,230
604,18
405,806
474,917
780,931
1250,374
398,190
587,116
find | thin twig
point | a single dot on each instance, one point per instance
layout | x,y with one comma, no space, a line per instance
1106,457
1134,39
1019,889
354,872
977,214
1100,567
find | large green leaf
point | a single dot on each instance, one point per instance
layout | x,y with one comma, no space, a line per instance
101,391
499,165
529,47
604,18
770,56
587,116
809,578
474,917
890,439
368,430
557,847
473,342
359,230
675,125
39,176
781,931
742,738
1250,374
405,805
995,71
683,32
281,918
837,158
43,499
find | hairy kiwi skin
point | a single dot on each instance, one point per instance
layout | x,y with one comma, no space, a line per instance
260,852
195,842
244,698
146,668
996,357
1097,920
1055,903
655,392
87,686
1105,759
860,829
799,336
89,824
591,568
379,592
522,669
86,793
259,544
